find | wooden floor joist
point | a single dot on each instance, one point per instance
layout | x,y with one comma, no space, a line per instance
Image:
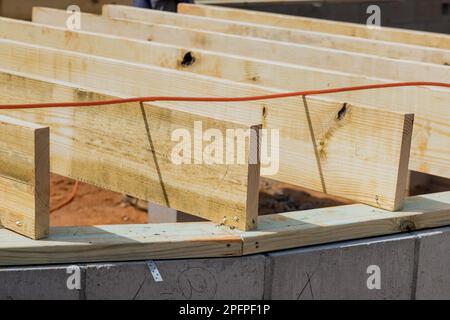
430,153
363,64
128,148
427,39
24,177
320,39
204,239
324,145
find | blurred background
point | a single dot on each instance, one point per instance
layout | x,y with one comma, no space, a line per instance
426,15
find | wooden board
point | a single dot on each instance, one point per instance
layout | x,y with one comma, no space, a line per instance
303,228
324,145
24,177
430,150
128,148
320,39
363,64
427,39
204,239
120,243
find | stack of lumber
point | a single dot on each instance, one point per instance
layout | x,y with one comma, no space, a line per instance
356,145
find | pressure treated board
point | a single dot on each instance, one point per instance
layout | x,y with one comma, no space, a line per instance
320,39
364,64
309,227
426,39
128,148
430,150
205,239
24,177
120,243
324,145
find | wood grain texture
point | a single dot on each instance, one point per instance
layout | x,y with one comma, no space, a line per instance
369,65
324,145
316,226
311,38
24,177
426,39
204,239
430,150
120,243
128,148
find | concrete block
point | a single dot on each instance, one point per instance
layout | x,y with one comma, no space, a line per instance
41,283
342,270
433,271
161,214
205,279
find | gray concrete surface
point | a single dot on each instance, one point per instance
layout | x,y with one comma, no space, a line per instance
433,268
204,279
341,270
411,266
161,214
40,283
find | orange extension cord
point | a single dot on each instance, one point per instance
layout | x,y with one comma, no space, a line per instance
209,99
214,99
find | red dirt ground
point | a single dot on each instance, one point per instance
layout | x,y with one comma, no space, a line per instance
91,206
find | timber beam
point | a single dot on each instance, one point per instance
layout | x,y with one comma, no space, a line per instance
128,148
325,145
421,38
430,153
368,65
320,39
24,177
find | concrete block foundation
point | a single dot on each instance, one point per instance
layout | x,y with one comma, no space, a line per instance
433,268
342,271
42,283
202,279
